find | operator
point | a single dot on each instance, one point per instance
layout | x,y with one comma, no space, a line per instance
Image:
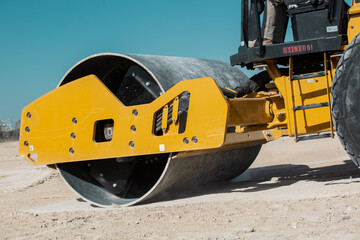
274,23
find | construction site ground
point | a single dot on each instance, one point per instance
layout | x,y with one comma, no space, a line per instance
307,190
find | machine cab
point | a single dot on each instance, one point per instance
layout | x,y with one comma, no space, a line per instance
317,26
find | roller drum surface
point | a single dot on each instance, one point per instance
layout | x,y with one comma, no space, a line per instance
139,79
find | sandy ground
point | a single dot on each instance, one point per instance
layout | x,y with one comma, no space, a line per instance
308,190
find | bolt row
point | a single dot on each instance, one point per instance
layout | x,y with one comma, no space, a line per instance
193,139
27,129
73,135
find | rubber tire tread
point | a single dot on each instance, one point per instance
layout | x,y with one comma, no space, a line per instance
345,100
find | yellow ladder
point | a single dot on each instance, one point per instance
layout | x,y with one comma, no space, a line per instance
310,106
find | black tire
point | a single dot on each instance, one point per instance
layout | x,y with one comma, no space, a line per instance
345,100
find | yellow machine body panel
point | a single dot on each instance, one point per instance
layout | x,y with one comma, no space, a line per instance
60,126
311,91
354,20
306,91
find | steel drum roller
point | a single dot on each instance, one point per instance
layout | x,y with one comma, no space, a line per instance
139,79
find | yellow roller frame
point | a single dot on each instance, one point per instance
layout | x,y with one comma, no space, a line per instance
59,127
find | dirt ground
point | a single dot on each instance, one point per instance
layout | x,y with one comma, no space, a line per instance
307,190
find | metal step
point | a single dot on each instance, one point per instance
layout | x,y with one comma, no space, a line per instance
307,76
310,106
314,136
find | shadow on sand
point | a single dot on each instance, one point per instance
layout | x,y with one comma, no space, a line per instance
274,176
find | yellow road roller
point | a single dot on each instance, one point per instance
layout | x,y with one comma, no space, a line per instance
124,129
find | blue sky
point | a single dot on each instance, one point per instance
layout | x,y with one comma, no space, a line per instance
40,40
